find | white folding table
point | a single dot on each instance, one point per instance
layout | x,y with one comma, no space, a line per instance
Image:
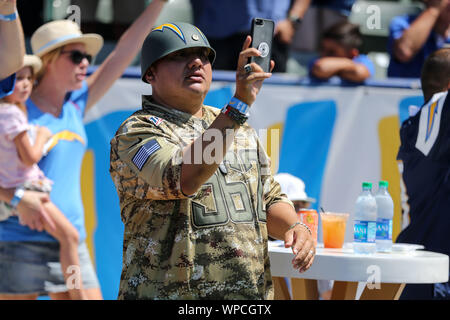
385,274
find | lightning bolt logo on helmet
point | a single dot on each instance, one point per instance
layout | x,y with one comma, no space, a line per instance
172,27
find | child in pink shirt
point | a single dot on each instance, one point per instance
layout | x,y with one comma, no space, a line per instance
18,168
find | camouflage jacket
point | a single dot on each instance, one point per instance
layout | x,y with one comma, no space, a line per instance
211,245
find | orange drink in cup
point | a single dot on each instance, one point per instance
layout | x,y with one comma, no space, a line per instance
333,229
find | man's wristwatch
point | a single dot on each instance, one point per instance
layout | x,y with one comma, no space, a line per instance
18,194
295,20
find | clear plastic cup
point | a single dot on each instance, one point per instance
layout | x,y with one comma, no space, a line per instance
333,229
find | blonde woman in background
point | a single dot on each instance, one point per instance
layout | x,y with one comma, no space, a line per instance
22,146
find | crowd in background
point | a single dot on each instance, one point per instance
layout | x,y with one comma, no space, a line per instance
385,29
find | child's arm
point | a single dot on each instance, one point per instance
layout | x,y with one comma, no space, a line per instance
31,208
355,73
31,154
325,68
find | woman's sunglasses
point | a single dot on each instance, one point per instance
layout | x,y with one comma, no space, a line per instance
77,56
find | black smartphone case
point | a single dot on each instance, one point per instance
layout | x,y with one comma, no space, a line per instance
262,36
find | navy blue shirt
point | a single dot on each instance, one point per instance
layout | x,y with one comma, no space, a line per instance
425,153
411,69
220,19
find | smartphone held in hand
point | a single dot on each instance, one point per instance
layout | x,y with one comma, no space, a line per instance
262,35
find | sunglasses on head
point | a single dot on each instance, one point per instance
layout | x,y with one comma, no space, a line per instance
77,56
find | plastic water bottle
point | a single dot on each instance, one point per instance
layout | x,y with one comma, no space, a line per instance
385,213
365,221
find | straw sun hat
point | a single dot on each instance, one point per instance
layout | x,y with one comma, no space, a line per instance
32,61
58,33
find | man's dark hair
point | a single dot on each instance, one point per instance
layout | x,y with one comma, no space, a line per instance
345,33
435,73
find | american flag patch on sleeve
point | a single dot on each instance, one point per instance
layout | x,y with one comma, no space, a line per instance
155,120
145,152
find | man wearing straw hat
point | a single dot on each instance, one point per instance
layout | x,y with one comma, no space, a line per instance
196,194
63,94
